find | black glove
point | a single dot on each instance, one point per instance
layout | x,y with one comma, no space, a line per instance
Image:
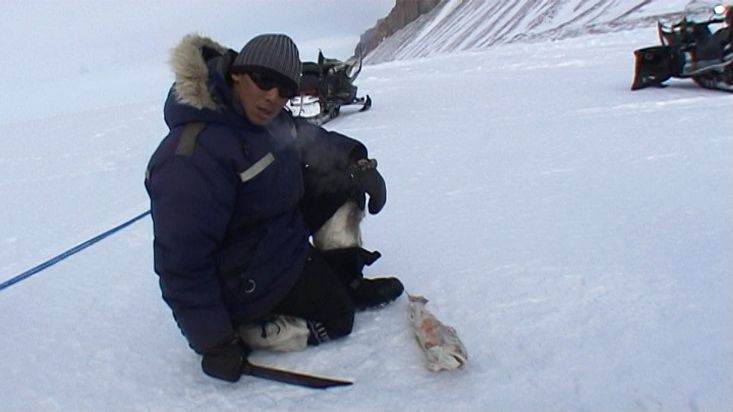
368,180
226,361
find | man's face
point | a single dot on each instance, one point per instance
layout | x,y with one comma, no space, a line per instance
259,96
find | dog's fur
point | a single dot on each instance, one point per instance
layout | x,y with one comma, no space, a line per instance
341,230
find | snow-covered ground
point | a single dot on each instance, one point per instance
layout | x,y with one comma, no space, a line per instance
576,234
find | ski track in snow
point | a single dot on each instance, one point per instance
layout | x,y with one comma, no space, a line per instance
577,235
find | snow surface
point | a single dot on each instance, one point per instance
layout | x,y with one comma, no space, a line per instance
576,234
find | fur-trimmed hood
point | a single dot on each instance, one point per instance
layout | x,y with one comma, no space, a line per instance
191,71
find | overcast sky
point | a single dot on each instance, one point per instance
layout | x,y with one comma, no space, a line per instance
58,55
52,37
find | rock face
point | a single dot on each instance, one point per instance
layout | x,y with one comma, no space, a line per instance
421,28
403,13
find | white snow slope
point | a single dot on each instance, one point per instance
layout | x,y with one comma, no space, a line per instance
576,234
459,25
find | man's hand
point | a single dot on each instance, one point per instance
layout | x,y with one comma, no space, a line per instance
226,361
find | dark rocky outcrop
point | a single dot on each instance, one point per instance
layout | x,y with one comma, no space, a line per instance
403,13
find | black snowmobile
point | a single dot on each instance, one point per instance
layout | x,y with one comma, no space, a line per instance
325,87
690,49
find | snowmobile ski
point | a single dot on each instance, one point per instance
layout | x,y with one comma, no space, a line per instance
365,102
292,377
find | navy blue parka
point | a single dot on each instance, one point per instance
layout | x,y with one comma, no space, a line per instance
228,198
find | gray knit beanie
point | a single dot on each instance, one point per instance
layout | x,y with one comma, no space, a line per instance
273,52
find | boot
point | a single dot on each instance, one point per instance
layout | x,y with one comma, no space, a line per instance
278,333
371,293
348,264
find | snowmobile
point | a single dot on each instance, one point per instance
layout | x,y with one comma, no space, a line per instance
325,87
690,49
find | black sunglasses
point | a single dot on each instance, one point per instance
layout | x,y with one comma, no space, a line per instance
266,82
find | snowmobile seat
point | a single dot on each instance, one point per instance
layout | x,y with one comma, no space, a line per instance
311,68
311,77
713,47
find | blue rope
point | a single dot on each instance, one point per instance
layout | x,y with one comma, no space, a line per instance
32,271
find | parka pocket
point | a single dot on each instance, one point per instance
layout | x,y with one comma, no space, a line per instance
234,267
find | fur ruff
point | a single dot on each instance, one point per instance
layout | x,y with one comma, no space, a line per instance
191,72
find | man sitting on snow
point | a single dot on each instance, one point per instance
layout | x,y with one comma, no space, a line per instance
237,188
